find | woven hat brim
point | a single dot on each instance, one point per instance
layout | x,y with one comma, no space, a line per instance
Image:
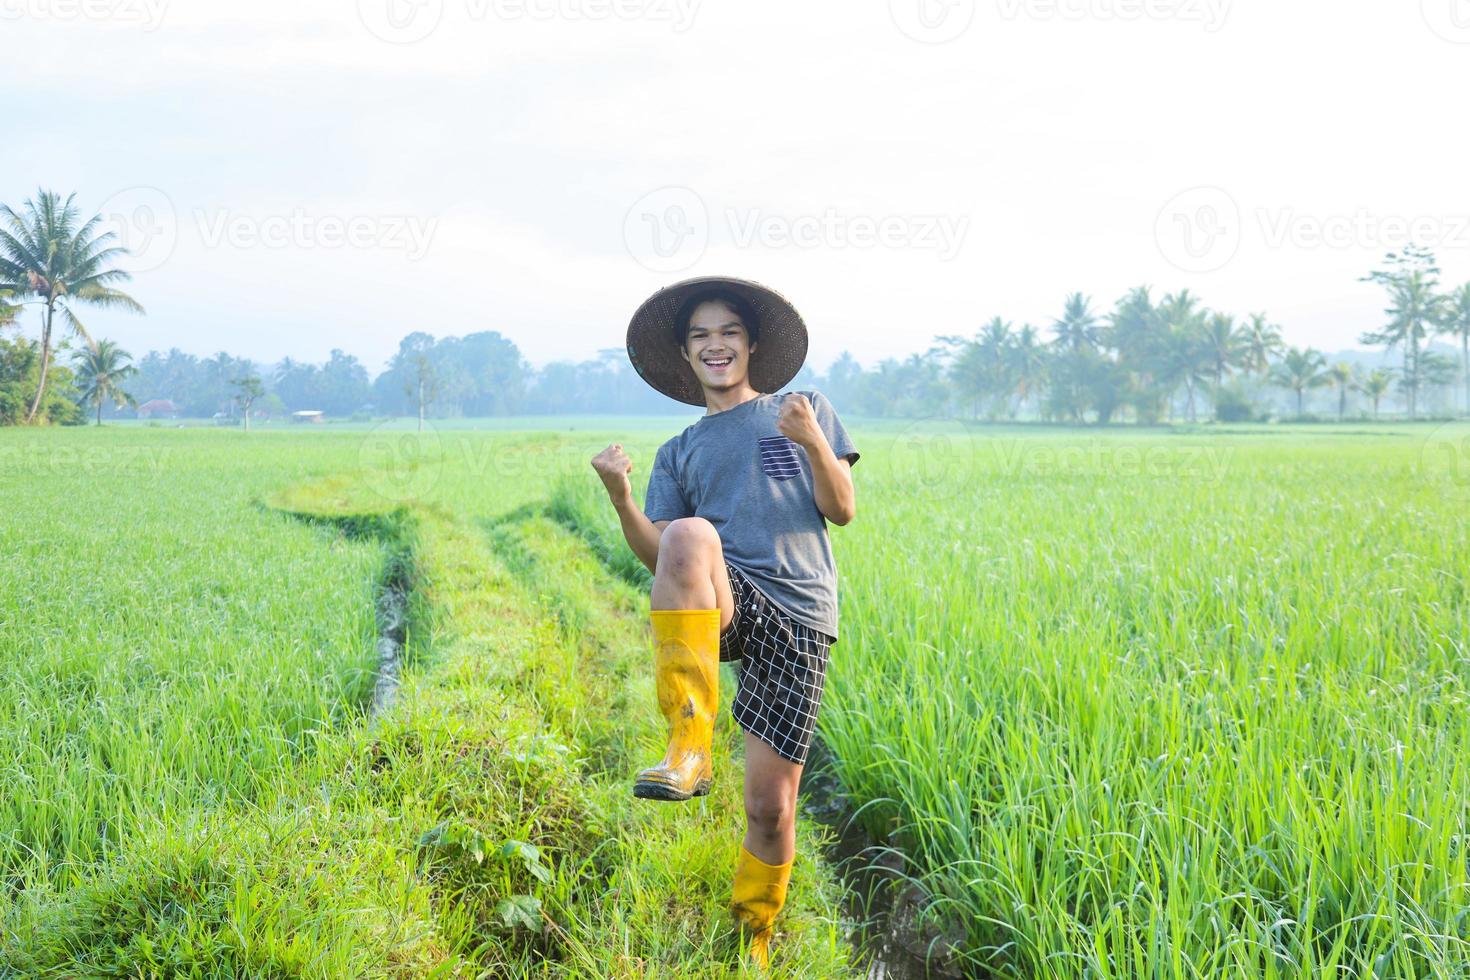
781,345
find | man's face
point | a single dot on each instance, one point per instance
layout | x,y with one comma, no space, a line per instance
718,346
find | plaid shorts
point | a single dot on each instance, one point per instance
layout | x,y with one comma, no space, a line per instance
782,667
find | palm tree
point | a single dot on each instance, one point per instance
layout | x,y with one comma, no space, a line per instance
978,366
1078,327
1224,344
1345,377
101,369
1136,333
49,255
1299,370
1456,323
1376,385
992,346
1411,281
1437,371
1260,342
1028,363
8,313
1184,357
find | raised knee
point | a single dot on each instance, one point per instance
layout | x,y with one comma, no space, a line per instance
770,812
685,541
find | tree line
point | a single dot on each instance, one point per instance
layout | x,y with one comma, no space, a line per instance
1146,360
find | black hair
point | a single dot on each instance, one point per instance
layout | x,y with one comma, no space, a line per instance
737,304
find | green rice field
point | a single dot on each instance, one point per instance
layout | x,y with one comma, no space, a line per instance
1166,703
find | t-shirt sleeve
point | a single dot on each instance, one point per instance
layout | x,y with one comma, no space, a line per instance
665,499
837,437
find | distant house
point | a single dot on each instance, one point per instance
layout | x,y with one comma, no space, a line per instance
307,416
159,408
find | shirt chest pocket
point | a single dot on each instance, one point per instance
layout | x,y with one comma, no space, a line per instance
778,458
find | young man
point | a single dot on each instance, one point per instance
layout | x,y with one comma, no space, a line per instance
734,529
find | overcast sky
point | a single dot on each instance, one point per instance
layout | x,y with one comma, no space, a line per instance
301,175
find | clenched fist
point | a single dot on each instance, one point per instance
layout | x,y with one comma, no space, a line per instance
613,465
798,422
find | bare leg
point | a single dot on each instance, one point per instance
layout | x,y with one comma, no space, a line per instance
770,802
690,571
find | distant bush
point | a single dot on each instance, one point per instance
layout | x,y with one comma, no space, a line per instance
1231,405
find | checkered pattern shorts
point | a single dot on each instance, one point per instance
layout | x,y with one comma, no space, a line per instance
782,668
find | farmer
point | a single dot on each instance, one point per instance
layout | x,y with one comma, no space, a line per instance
734,529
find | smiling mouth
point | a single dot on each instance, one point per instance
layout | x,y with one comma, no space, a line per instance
718,363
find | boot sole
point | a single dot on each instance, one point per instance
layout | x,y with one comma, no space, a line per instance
663,791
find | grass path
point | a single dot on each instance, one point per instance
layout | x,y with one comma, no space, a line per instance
484,827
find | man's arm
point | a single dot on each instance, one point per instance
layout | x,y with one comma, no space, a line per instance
613,465
643,535
831,477
832,484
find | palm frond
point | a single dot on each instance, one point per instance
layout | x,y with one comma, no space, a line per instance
107,298
74,323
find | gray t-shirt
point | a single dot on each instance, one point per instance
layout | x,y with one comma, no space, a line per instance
735,469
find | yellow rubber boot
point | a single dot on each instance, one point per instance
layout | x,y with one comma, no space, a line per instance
687,670
757,895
